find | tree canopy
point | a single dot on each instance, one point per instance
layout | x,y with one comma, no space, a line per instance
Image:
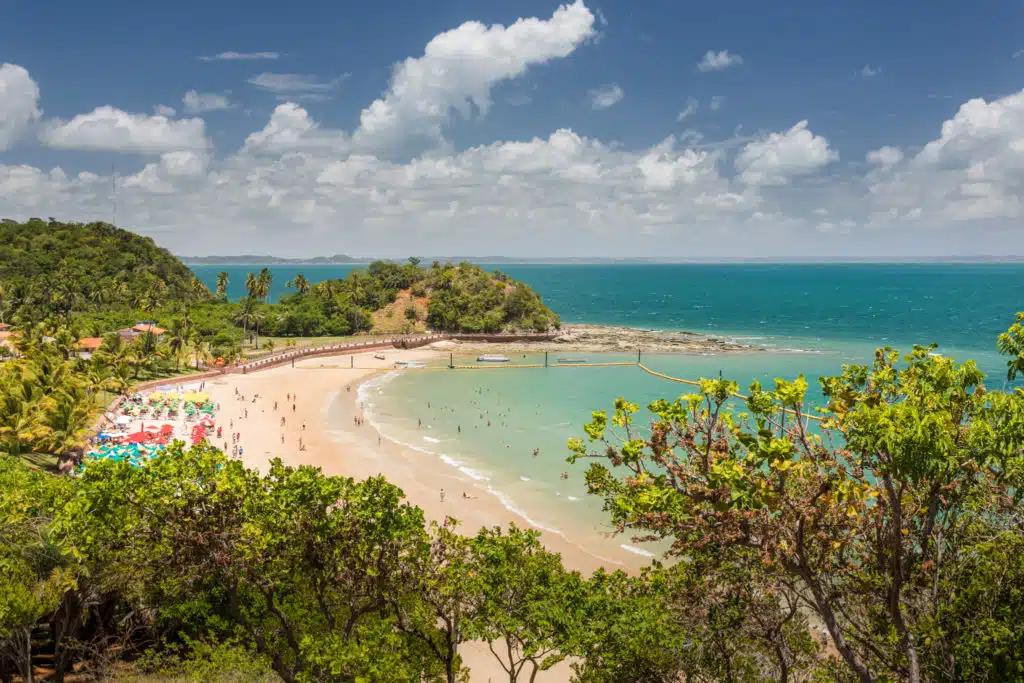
49,267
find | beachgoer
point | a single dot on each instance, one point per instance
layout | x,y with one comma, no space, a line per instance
293,407
247,413
303,426
282,438
419,422
240,451
536,452
442,495
459,428
275,405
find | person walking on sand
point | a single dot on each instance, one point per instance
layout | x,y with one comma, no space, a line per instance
442,495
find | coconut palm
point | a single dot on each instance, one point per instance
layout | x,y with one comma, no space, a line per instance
201,351
245,317
263,281
300,283
222,284
250,285
178,340
325,289
197,290
20,413
67,421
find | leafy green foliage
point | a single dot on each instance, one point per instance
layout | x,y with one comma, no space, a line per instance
53,268
878,526
465,298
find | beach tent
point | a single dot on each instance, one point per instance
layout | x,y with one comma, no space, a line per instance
123,420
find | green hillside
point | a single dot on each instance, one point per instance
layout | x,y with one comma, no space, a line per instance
49,267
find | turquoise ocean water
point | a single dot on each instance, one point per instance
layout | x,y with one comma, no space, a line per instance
812,318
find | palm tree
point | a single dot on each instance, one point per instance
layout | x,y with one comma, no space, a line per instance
245,317
120,379
263,281
197,291
20,414
257,318
222,284
67,421
202,351
177,340
325,289
3,292
250,285
300,283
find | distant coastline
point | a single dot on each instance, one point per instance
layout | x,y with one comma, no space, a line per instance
345,260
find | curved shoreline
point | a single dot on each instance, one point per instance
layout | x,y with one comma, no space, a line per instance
480,483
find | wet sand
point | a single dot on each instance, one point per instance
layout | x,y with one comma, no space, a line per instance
321,416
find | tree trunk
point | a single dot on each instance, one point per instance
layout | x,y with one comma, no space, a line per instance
27,674
65,627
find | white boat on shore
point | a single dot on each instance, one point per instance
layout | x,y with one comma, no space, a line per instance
491,359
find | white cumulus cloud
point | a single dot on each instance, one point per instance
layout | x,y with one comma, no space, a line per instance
718,61
196,102
111,130
605,96
458,69
164,110
885,156
776,158
19,98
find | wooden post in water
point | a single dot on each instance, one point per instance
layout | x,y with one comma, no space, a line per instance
545,359
451,361
638,356
352,361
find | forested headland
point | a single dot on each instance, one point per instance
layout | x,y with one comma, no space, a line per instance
94,279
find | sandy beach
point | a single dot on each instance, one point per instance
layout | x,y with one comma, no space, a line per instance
319,429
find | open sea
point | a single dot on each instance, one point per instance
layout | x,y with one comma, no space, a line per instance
811,318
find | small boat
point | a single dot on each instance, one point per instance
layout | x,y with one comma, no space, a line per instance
379,356
572,360
491,359
410,364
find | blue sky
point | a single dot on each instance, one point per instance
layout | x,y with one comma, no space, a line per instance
276,153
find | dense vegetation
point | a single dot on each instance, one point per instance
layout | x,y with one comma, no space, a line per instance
48,267
95,278
892,550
